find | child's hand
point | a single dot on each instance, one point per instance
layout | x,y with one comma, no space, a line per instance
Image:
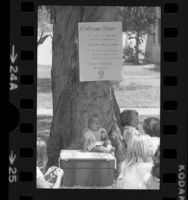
59,172
50,170
120,176
106,142
103,133
50,184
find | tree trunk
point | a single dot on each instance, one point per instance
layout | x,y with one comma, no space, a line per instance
137,48
73,101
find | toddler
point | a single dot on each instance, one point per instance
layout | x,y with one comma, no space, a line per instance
96,138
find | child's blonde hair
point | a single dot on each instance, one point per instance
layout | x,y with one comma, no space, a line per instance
138,150
129,133
42,157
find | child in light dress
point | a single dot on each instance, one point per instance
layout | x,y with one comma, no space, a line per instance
151,127
138,163
117,141
96,138
153,179
51,178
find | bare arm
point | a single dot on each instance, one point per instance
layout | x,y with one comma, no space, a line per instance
99,149
57,183
59,173
42,183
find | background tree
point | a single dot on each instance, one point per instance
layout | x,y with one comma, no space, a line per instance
73,101
138,21
44,24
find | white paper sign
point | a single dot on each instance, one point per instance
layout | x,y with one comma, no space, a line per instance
100,51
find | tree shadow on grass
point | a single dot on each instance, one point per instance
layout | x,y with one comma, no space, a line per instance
44,85
44,126
131,86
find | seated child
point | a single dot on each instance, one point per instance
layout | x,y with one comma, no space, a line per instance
96,138
138,163
116,139
129,122
52,178
153,180
151,127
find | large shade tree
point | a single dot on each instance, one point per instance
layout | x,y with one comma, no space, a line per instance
73,101
138,21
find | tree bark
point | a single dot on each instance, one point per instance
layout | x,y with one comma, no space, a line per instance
73,101
137,47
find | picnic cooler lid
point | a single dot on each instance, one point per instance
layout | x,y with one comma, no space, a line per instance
79,155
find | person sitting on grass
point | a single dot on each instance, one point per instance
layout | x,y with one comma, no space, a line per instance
96,138
116,139
129,122
51,178
151,126
138,163
153,180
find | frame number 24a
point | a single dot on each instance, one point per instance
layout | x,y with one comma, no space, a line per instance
13,69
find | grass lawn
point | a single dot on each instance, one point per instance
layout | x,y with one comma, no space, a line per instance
131,97
44,85
140,87
43,126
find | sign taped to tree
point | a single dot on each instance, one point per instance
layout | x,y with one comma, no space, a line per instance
100,51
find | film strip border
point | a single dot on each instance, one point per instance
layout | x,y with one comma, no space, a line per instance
22,106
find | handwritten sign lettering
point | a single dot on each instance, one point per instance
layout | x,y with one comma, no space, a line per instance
100,51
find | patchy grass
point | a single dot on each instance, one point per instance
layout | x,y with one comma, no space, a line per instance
146,97
156,68
140,87
131,94
43,126
139,70
44,85
44,100
131,86
44,71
